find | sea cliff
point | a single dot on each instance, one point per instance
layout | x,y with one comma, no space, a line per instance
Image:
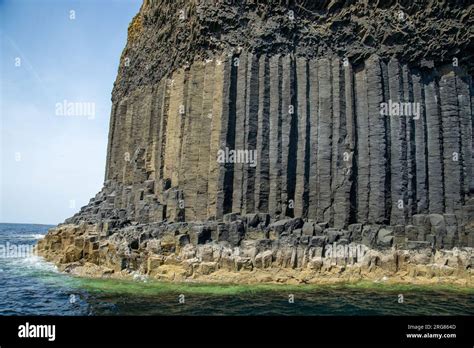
347,134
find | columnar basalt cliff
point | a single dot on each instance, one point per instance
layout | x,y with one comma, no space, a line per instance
266,141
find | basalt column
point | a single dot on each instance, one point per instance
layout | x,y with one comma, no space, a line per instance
312,136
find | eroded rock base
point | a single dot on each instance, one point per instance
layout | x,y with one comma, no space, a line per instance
251,249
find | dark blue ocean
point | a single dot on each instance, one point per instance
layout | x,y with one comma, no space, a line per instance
31,286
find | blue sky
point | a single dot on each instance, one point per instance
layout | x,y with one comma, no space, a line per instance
51,164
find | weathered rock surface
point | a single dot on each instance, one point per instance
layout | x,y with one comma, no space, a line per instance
296,90
200,252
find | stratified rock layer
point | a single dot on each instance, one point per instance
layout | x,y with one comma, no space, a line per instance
297,92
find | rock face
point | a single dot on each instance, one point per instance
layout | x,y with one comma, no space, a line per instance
254,135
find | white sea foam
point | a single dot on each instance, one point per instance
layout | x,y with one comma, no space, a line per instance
36,236
38,263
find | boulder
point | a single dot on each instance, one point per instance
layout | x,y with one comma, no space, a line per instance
369,234
153,262
308,228
243,264
318,241
315,264
412,232
205,253
227,218
318,230
182,240
297,232
264,259
280,226
286,225
304,240
263,244
355,231
333,234
385,237
252,220
264,219
206,268
72,254
236,233
438,228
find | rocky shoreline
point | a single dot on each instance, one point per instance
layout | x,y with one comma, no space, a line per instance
253,250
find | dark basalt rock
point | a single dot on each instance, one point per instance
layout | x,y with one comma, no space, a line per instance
302,84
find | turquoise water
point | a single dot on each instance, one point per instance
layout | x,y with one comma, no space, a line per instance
31,286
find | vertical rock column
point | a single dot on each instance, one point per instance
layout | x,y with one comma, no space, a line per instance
262,184
116,139
226,136
420,145
275,164
410,142
342,153
313,178
287,112
398,150
377,143
240,116
161,150
141,129
302,156
126,148
452,157
111,140
324,150
434,145
466,118
215,186
174,132
348,202
363,155
204,140
189,164
154,130
250,136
